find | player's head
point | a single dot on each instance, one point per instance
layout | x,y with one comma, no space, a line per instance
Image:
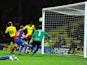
31,23
9,23
21,26
40,27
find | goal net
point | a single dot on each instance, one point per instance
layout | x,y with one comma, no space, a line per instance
67,26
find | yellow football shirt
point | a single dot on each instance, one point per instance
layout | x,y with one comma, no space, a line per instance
11,30
30,29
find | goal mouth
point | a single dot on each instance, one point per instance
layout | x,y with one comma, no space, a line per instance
67,23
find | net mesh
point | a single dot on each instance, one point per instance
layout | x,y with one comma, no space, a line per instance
67,31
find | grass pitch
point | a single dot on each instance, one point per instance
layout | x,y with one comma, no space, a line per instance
46,59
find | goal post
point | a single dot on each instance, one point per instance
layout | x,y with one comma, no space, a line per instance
85,30
67,25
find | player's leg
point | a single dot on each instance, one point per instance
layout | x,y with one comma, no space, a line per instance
13,47
33,46
26,47
20,44
28,38
38,46
4,57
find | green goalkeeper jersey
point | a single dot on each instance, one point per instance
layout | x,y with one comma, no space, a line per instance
39,34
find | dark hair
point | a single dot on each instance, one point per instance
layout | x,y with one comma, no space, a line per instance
9,23
40,27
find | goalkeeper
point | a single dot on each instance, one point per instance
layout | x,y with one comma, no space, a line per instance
37,38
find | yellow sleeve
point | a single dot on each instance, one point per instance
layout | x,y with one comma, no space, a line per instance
25,27
6,31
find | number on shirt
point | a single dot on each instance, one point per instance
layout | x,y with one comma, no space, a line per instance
11,31
39,33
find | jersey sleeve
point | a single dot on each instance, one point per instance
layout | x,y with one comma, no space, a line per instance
46,34
34,28
25,27
6,31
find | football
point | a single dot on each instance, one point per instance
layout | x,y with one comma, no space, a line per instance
40,19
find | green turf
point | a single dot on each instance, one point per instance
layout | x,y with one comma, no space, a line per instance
46,59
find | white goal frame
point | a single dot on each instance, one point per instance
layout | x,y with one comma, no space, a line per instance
83,13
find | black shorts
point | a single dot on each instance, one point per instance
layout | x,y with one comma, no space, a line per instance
11,39
36,43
